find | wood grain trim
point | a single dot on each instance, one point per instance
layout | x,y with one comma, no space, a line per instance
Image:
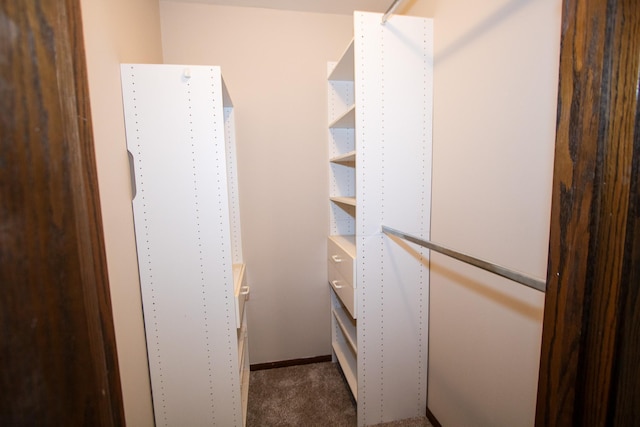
58,347
589,252
84,178
627,369
292,362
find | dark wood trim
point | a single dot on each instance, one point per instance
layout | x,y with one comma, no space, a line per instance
95,283
58,351
292,362
590,347
432,419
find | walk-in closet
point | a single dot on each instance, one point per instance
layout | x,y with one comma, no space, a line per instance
284,184
255,213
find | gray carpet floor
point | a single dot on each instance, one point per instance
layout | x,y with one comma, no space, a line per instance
314,395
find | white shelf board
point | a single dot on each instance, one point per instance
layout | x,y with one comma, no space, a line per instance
344,69
347,326
347,120
351,201
245,394
238,273
348,364
241,344
349,157
347,242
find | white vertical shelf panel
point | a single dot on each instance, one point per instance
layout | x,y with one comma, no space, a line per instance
404,299
232,179
393,70
175,132
368,84
407,131
408,191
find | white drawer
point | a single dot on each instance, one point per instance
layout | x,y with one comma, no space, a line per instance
241,291
341,256
343,289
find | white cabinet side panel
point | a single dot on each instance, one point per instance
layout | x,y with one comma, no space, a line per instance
407,153
174,126
369,124
232,179
393,69
404,295
368,81
407,133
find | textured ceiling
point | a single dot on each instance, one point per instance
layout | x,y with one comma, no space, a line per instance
345,7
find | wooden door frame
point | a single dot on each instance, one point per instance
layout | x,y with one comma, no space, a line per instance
589,371
58,351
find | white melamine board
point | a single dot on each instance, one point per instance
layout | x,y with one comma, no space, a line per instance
348,158
348,327
348,363
393,72
347,243
346,120
343,69
175,133
342,141
232,179
405,300
343,180
239,289
245,369
350,201
241,342
406,133
341,101
342,219
343,352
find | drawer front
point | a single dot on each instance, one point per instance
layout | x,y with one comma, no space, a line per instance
343,289
241,292
342,262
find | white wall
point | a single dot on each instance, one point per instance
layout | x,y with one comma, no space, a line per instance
496,72
274,64
118,31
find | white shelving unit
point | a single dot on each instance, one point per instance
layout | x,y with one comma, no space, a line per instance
181,138
380,113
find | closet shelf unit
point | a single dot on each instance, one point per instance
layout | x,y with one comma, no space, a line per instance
379,136
180,128
341,245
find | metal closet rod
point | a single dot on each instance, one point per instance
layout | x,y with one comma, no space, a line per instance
516,276
391,9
